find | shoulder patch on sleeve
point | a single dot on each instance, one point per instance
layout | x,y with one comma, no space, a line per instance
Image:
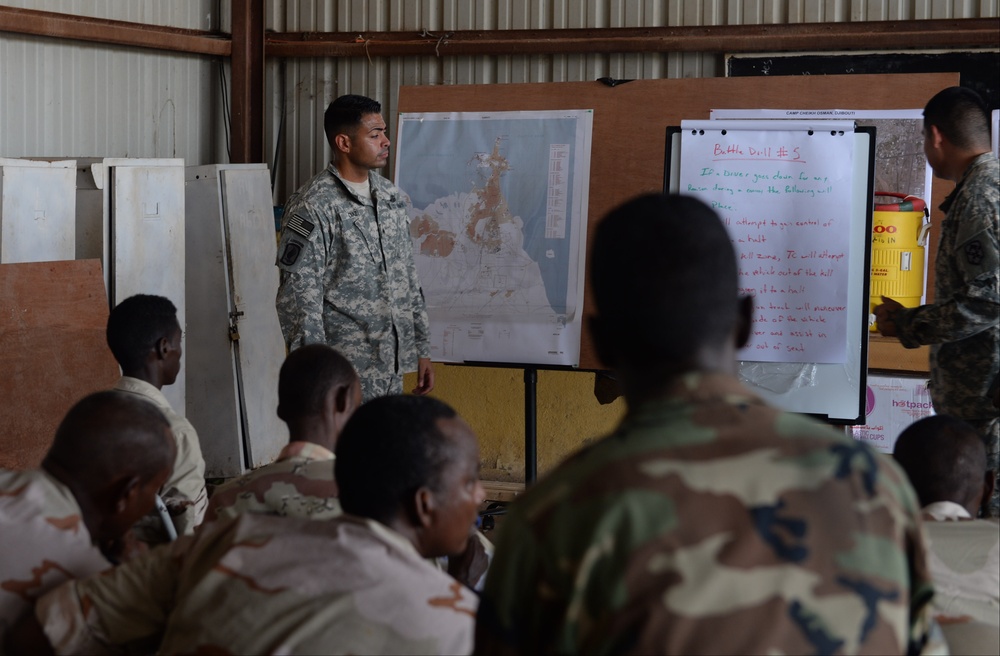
290,253
974,252
302,226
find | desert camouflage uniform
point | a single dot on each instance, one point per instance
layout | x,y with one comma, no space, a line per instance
258,584
298,484
348,279
712,523
964,561
44,541
186,486
962,326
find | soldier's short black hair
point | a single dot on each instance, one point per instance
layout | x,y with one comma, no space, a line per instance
944,458
391,447
344,114
961,115
108,434
664,277
307,375
135,326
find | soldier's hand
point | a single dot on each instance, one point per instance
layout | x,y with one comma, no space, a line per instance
885,316
425,377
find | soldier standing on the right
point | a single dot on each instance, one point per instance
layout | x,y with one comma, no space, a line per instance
962,326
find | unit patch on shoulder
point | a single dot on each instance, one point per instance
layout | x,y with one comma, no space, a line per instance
290,255
974,252
297,224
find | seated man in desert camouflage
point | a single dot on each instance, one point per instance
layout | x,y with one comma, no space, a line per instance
69,518
318,391
408,472
945,459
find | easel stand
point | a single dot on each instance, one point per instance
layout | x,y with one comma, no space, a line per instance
530,425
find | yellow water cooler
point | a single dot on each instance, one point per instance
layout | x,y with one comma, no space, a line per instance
899,234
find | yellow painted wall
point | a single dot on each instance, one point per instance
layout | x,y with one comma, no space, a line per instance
492,401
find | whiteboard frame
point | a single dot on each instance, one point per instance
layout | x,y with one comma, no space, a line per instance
837,392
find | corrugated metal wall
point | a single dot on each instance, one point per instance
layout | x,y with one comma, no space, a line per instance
65,98
80,99
301,89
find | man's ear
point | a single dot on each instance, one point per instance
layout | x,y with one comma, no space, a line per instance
936,136
744,321
424,507
602,341
123,493
341,398
162,348
342,143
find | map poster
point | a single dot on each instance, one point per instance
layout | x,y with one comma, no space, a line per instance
498,216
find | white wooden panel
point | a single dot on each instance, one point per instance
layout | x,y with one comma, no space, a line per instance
147,239
260,350
37,211
212,390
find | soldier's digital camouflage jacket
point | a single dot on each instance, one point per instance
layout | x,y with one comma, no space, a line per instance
348,278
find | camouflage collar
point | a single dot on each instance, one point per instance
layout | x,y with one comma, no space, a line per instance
381,188
693,389
976,163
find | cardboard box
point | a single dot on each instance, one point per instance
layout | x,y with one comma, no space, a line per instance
892,403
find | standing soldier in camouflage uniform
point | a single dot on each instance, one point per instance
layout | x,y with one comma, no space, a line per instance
408,472
962,326
348,278
708,522
69,518
318,391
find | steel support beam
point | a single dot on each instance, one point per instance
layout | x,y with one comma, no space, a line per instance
113,32
870,35
247,105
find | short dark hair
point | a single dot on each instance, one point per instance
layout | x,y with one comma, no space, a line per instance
961,115
136,324
109,433
944,458
307,375
345,113
390,448
664,277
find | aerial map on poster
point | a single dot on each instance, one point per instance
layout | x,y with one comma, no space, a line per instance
498,211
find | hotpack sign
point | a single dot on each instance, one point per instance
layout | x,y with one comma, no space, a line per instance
892,404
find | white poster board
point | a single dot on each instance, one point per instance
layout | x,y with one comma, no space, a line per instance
796,198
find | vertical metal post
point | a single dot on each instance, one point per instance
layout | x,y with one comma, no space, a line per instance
530,425
247,106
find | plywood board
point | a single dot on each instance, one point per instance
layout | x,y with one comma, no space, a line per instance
630,122
53,351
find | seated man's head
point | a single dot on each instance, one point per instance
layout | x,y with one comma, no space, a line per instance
664,277
145,338
945,460
318,391
411,463
113,451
